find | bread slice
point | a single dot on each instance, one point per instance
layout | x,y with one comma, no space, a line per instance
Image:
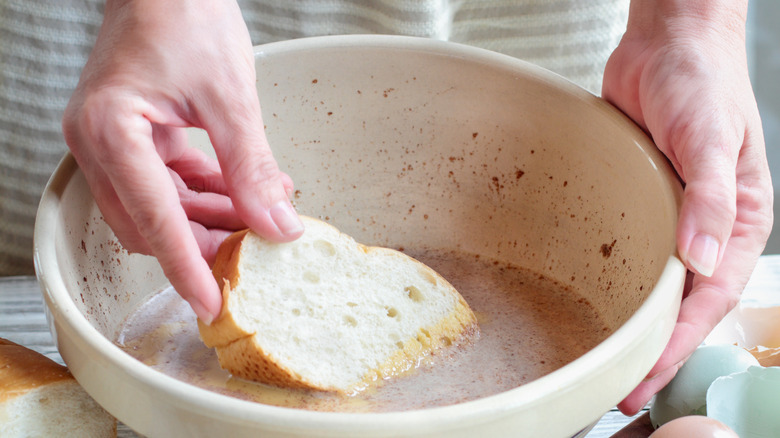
40,398
327,313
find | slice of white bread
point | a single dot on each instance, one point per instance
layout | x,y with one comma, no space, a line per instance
40,398
327,313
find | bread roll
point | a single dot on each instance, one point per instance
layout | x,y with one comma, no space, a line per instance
327,313
40,398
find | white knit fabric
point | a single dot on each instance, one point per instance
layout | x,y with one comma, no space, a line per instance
45,43
571,37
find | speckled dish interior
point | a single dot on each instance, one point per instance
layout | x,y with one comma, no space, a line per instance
408,143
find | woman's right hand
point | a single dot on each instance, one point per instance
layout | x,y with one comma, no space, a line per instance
159,66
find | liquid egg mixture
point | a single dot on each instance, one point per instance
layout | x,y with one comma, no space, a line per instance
529,327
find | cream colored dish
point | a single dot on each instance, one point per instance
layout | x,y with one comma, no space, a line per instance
404,142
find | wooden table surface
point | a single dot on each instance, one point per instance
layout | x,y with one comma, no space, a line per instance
22,320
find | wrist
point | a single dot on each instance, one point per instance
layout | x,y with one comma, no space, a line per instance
651,18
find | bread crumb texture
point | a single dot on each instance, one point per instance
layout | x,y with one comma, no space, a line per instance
327,313
40,398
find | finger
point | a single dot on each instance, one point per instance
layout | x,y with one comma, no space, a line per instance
145,189
208,240
114,213
711,298
198,179
642,394
700,311
258,189
199,172
211,210
111,208
288,185
707,148
255,183
202,174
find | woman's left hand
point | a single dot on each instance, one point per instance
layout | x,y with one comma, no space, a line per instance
680,72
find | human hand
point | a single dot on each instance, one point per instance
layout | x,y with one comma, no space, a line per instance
157,67
681,73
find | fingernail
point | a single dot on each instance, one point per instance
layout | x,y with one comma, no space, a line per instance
703,254
286,219
200,310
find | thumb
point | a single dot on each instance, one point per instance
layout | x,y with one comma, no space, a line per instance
707,151
259,190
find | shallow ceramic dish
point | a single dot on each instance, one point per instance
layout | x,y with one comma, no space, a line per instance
402,142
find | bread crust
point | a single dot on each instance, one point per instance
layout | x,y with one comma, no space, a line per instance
224,329
240,352
246,359
39,397
22,370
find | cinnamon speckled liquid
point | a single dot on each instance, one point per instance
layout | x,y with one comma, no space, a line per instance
529,326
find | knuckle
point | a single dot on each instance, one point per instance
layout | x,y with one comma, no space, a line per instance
714,197
255,167
706,137
128,236
150,223
102,121
135,245
755,207
177,273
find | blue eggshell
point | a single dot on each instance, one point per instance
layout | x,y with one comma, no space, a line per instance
686,394
748,402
